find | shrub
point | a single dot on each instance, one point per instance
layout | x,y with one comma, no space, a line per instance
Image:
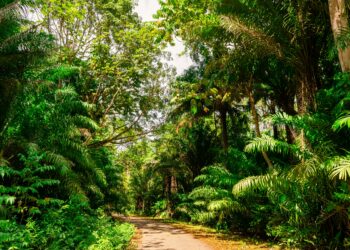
72,226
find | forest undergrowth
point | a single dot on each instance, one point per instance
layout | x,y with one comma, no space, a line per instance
251,139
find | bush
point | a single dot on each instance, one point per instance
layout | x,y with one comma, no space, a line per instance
15,236
72,226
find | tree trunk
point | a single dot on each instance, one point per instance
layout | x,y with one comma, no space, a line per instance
257,126
274,127
290,134
339,22
286,103
224,135
307,87
173,187
168,186
306,64
306,100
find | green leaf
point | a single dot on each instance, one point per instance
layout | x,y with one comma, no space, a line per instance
7,200
194,108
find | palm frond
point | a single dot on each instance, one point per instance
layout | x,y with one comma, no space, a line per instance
269,144
204,217
85,122
216,175
340,168
67,93
306,168
341,122
226,205
208,193
7,200
253,183
237,27
63,164
296,121
94,189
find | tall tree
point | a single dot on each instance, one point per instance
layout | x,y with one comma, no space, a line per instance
21,45
340,23
121,68
299,41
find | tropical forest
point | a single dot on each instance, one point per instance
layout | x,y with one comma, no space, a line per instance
109,140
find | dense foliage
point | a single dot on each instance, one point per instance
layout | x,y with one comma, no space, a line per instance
75,78
252,138
256,133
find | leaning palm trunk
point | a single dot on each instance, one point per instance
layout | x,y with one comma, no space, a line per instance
339,22
257,126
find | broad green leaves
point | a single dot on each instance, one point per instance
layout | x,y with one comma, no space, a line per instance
268,144
340,168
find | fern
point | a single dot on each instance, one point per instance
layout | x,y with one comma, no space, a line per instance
315,127
85,122
269,144
306,168
285,119
342,121
208,192
212,201
61,73
7,199
253,183
26,183
204,217
340,168
66,94
216,175
227,205
63,164
7,171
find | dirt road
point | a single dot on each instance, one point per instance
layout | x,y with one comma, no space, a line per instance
160,236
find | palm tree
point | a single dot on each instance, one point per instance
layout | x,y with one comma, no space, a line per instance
19,49
306,188
340,24
293,31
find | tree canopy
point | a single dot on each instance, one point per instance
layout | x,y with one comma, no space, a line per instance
252,138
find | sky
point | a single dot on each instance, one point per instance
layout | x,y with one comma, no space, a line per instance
145,9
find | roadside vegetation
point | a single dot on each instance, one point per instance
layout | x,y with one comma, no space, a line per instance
76,79
253,138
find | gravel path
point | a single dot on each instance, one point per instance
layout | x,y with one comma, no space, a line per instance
160,236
